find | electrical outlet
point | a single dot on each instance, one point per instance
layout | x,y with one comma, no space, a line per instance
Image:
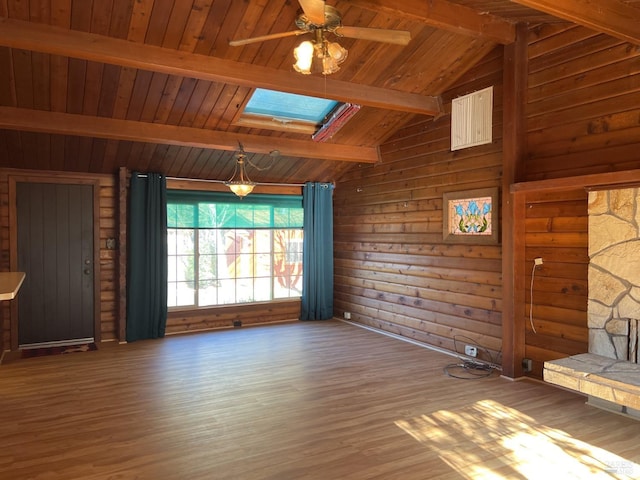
538,261
471,350
347,315
527,365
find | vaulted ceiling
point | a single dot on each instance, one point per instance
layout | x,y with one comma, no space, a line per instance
153,85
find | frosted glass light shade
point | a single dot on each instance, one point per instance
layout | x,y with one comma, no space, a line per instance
241,189
303,54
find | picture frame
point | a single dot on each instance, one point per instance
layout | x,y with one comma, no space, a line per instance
471,216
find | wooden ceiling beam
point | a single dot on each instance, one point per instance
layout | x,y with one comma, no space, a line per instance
12,118
97,48
447,16
613,17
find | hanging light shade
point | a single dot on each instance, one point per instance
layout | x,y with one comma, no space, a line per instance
240,183
337,52
333,54
330,54
241,189
329,66
303,54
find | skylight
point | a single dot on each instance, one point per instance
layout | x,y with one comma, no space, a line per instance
289,106
293,113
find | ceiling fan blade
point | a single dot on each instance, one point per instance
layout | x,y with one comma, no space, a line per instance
399,37
313,10
262,38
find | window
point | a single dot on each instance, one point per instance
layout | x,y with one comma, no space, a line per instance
287,112
289,106
223,250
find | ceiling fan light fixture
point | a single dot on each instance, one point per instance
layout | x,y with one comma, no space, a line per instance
319,19
303,54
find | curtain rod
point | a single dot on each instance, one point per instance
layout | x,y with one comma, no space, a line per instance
144,175
224,181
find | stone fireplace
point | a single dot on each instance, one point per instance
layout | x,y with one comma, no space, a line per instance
610,373
614,273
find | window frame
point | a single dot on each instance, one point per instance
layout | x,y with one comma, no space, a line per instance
192,197
285,122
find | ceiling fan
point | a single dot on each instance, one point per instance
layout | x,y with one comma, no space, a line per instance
319,19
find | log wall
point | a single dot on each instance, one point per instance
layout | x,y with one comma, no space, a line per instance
196,320
393,271
583,104
556,230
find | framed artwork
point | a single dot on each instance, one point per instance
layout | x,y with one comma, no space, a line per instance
471,216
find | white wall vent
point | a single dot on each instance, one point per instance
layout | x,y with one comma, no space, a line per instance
471,119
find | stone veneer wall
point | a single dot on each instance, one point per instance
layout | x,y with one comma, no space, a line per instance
614,273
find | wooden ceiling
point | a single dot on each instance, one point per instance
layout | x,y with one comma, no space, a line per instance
153,85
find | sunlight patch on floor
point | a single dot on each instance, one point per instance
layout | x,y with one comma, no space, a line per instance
488,440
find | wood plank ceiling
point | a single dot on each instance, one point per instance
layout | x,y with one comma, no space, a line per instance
93,85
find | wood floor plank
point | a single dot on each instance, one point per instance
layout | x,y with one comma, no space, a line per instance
306,400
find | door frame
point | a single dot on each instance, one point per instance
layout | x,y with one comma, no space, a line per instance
55,178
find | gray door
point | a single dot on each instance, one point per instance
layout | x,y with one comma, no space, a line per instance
55,249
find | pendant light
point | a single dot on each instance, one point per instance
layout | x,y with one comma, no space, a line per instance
240,183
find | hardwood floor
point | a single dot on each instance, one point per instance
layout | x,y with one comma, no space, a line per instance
308,400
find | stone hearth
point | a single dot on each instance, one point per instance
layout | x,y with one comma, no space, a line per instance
613,381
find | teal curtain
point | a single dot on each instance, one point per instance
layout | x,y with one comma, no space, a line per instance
317,256
147,257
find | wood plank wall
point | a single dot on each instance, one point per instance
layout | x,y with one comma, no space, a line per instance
556,230
583,117
108,258
392,269
583,104
183,321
